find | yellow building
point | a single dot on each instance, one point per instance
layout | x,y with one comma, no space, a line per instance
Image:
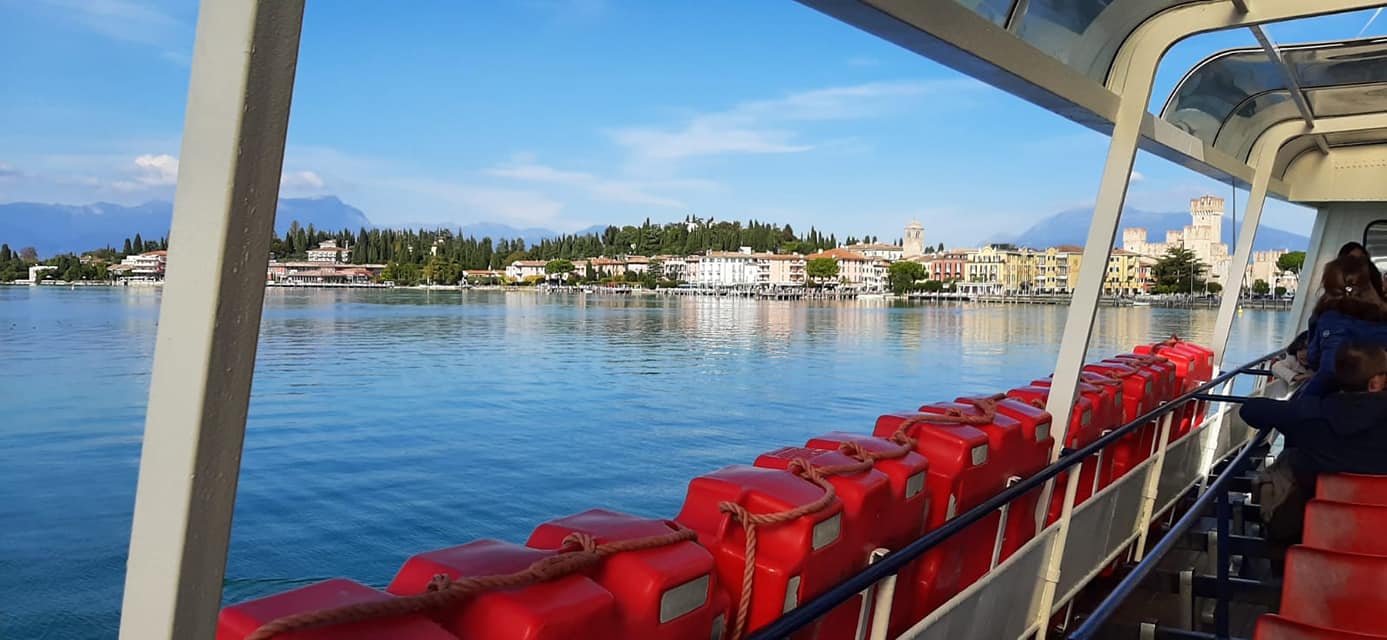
994,270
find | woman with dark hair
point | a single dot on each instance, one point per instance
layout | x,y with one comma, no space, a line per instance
1350,309
1357,250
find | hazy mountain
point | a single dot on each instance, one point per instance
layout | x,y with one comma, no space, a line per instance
496,231
1071,227
58,228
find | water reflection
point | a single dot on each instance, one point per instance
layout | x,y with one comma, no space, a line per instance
388,422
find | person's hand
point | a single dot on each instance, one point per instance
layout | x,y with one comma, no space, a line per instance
1301,377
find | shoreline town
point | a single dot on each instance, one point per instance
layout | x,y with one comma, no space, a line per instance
991,273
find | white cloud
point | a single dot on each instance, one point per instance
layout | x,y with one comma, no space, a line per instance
763,126
135,21
623,191
863,61
301,181
7,170
150,171
1136,176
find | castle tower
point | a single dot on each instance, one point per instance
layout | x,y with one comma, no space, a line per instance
914,239
1207,213
1134,240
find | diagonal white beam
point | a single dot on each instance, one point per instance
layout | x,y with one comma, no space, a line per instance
244,60
1288,75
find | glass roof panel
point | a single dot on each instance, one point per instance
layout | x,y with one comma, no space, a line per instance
1086,34
1233,96
996,11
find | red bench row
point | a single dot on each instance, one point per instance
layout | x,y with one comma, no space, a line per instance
1336,580
956,455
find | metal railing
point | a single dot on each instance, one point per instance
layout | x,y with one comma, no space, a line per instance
1216,492
893,562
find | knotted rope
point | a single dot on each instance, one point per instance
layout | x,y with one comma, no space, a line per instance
751,521
580,552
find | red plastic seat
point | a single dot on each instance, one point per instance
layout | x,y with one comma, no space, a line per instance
1274,627
238,621
666,592
904,520
795,560
1347,527
569,607
1193,367
1136,395
1343,591
1018,447
1084,426
1352,487
960,477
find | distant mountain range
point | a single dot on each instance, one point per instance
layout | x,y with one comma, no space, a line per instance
1071,227
61,228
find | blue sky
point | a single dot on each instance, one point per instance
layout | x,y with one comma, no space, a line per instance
567,113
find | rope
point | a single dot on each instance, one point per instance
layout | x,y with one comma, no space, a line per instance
751,521
579,552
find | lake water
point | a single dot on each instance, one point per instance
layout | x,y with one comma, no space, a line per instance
385,423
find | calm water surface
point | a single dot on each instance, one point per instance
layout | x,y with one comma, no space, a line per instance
385,423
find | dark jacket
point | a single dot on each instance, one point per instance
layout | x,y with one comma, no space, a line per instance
1328,332
1340,432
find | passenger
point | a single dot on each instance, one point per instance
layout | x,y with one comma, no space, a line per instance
1349,309
1294,368
1345,431
1359,251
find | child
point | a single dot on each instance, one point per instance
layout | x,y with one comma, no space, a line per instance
1295,367
1344,431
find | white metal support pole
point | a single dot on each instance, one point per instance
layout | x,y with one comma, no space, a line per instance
1083,309
1151,487
1247,234
233,149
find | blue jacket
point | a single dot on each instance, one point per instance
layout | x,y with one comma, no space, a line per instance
1340,432
1329,331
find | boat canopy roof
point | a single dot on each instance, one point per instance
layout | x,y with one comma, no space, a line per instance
1082,58
1232,97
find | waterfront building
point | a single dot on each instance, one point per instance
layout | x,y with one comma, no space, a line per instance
328,251
878,250
308,272
780,270
1263,267
522,269
728,269
1000,270
1203,236
676,267
1057,269
637,264
603,267
485,276
35,270
950,266
1128,274
145,267
855,268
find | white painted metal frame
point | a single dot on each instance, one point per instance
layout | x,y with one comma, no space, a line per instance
229,169
1267,155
